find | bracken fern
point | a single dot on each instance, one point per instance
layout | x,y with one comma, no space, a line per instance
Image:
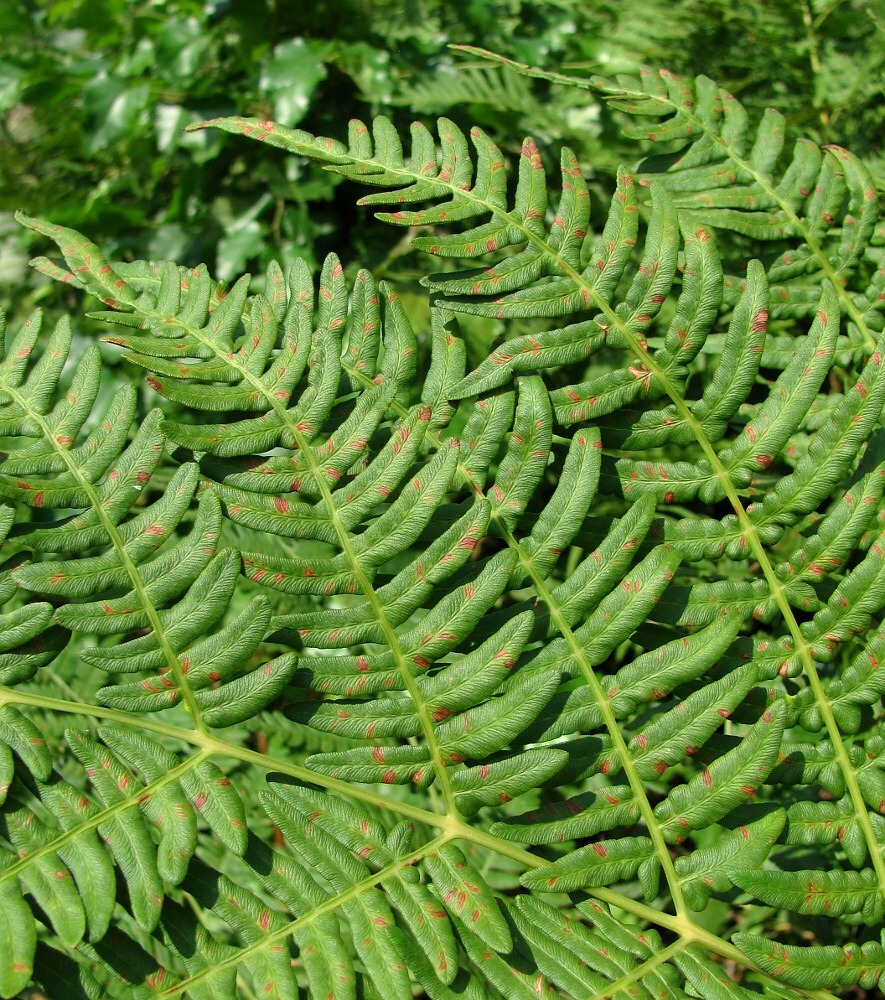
557,677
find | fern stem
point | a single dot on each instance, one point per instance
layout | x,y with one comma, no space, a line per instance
13,696
213,745
128,565
650,964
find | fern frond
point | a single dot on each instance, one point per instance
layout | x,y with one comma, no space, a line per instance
727,175
591,633
187,574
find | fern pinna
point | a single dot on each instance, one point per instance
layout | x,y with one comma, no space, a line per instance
555,677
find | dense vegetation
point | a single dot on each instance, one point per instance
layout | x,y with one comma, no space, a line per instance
95,94
488,604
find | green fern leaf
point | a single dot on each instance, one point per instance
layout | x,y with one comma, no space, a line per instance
546,663
706,870
809,968
602,863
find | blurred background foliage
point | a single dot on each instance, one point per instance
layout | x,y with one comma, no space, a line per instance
95,95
